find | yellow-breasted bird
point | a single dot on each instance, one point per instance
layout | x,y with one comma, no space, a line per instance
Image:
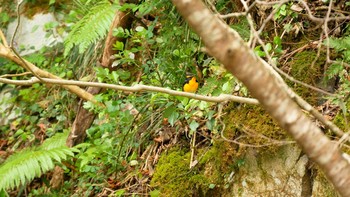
191,84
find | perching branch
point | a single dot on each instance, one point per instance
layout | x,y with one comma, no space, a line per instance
134,88
137,88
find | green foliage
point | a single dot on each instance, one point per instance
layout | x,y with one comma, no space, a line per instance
275,47
23,166
91,28
342,46
242,27
338,69
162,48
283,11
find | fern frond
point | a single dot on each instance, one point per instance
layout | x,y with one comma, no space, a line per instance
25,165
340,44
92,27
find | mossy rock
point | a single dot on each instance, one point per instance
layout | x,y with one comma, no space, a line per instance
173,177
249,123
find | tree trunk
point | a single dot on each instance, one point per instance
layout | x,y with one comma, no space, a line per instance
227,47
84,118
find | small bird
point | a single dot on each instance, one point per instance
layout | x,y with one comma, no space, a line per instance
191,84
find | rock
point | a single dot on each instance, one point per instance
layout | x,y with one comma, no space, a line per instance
31,34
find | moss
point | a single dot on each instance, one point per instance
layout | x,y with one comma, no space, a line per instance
302,70
33,7
173,176
249,123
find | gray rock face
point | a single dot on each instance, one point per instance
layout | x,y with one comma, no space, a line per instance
31,35
281,173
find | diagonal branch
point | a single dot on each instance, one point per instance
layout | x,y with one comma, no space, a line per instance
7,53
228,48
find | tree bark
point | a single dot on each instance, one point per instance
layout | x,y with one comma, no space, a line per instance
227,47
84,118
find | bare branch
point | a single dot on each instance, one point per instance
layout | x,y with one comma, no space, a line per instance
135,88
19,3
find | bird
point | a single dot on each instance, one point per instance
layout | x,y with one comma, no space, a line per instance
191,84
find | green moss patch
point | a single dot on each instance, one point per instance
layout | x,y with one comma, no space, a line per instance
173,176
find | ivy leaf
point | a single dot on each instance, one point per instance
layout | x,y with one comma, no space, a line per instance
172,115
173,118
118,46
194,125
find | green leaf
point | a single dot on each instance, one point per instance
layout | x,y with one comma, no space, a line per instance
277,40
139,28
259,52
168,111
159,40
227,87
154,193
268,47
123,74
119,192
172,115
118,46
194,125
176,52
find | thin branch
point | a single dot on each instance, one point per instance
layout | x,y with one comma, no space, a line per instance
235,14
307,8
236,140
325,28
18,22
19,3
134,88
16,75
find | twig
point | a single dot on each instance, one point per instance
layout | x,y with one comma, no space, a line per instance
135,88
235,14
15,75
325,28
193,148
13,38
18,22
